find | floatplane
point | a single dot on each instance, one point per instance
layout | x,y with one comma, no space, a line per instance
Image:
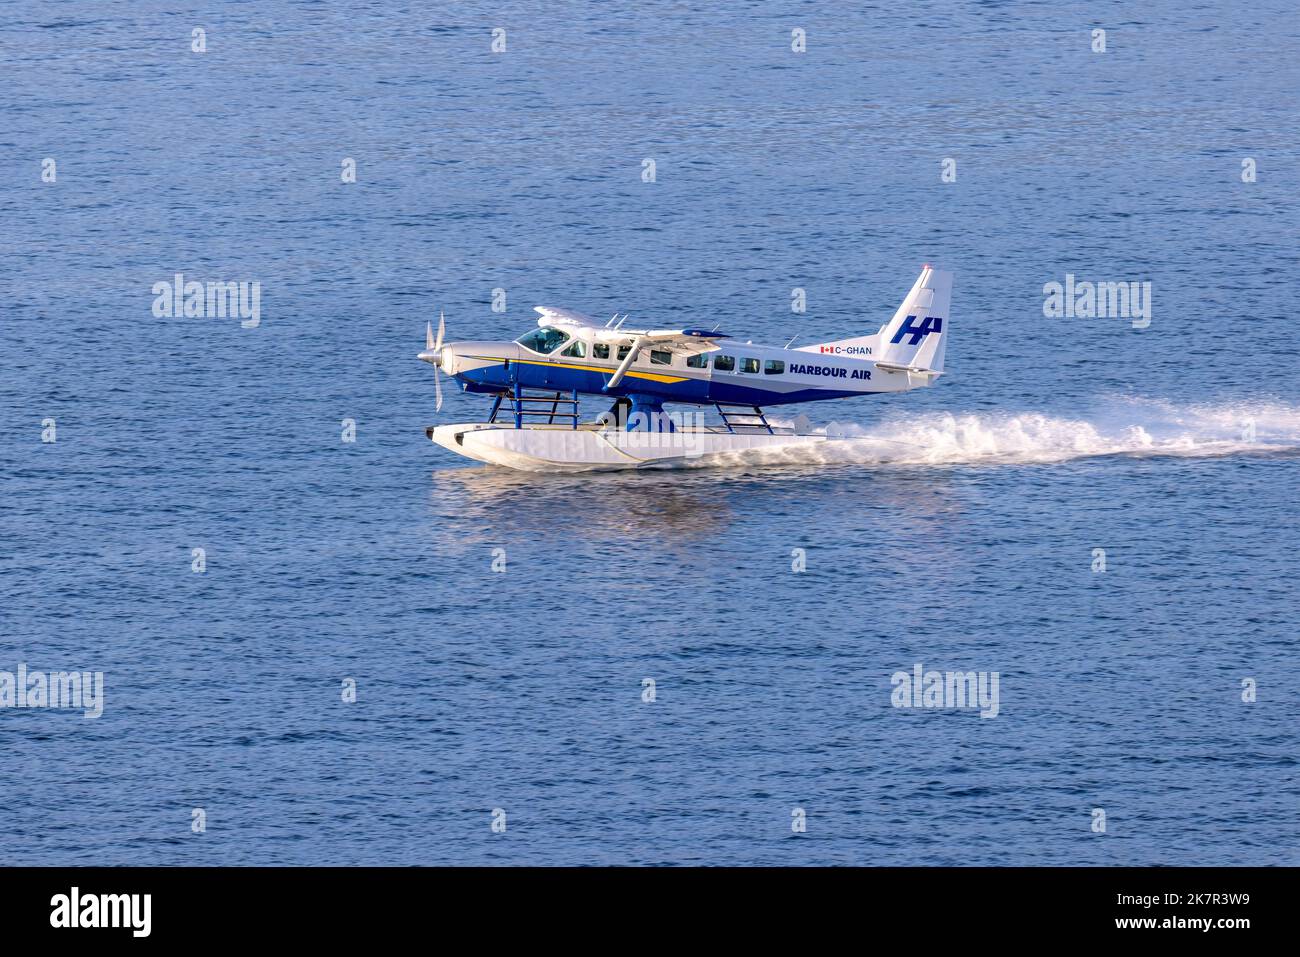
536,383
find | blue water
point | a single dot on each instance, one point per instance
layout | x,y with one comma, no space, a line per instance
971,549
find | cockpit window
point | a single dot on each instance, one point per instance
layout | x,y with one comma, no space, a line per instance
544,340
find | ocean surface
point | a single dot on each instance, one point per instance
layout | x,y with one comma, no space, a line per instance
955,528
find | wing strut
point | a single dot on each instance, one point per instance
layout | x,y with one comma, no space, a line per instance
626,364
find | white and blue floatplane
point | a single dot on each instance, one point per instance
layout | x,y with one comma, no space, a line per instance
536,423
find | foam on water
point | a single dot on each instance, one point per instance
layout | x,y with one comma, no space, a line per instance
1127,426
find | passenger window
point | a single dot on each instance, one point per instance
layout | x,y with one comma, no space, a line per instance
773,367
623,351
600,350
697,361
578,350
724,364
660,358
748,365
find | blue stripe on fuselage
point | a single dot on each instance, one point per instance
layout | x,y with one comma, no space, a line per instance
731,388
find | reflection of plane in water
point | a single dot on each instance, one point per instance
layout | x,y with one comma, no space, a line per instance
661,510
535,423
652,508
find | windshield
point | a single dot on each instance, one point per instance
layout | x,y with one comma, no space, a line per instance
544,340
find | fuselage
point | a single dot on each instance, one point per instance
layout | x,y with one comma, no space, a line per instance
730,373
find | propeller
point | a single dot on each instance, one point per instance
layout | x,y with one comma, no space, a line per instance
433,354
437,390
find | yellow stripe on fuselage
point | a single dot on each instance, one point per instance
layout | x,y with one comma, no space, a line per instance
652,376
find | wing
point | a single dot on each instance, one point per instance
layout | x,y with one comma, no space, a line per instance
687,341
562,317
675,340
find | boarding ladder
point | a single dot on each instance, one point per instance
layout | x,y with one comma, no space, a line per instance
734,419
528,402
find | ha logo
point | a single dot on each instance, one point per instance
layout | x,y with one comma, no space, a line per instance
909,328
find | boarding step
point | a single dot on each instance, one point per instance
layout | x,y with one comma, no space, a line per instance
533,402
735,420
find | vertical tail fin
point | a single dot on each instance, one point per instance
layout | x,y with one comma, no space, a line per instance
916,337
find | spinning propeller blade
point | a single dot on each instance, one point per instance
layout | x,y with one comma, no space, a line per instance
432,354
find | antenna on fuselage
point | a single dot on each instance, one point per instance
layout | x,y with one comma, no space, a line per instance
611,319
792,339
621,321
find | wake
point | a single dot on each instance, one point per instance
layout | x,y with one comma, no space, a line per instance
1133,427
